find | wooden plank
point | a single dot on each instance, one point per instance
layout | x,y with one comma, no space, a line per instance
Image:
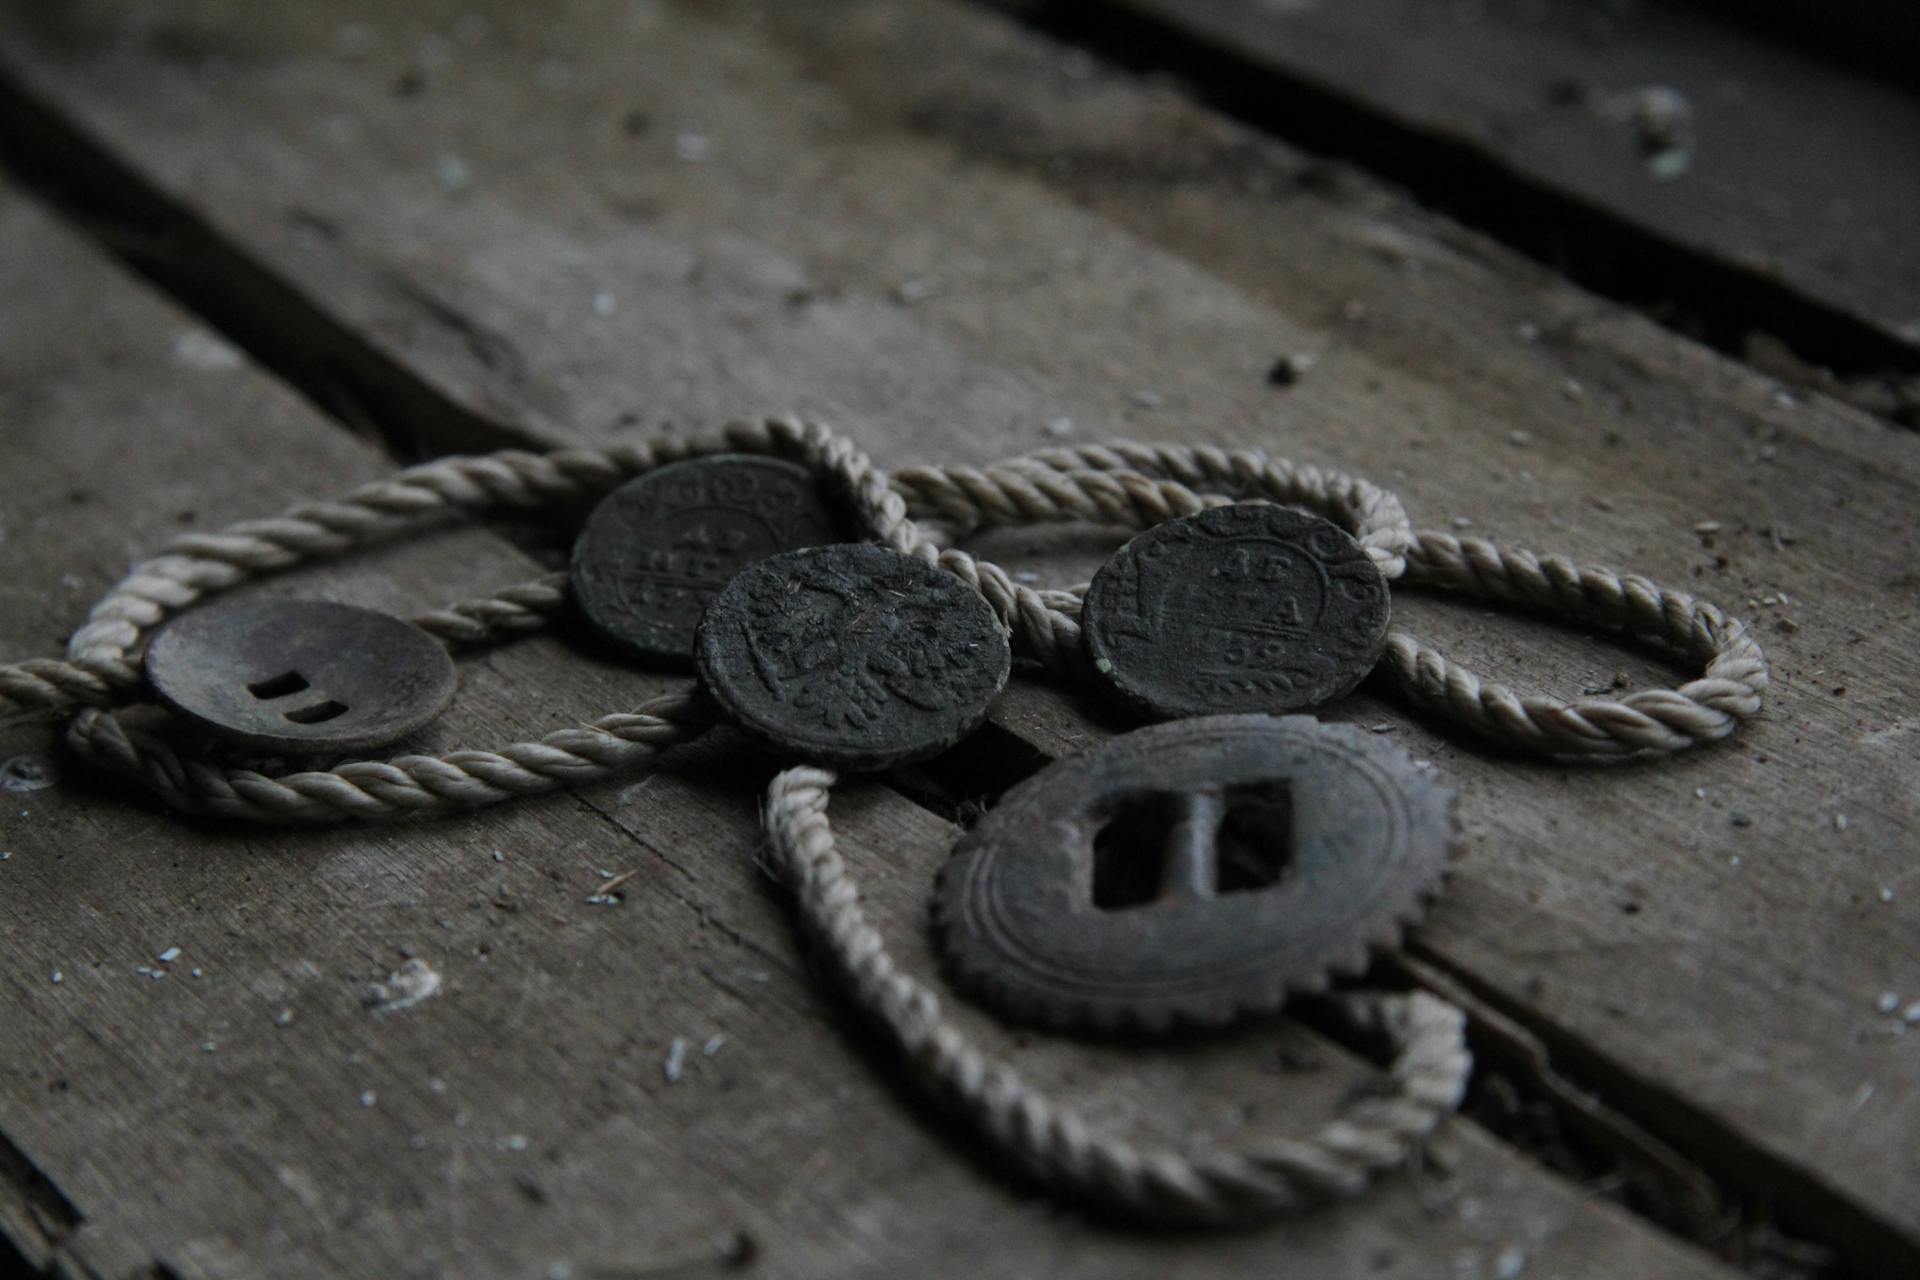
1695,133
247,1114
954,253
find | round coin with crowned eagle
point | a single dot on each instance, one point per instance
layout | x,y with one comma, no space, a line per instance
855,656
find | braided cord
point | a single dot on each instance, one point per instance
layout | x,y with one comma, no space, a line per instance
1052,1142
101,668
1051,485
918,512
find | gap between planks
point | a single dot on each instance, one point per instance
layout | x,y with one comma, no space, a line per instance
1703,296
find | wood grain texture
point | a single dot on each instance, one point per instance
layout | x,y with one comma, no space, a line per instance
1690,128
250,1114
704,210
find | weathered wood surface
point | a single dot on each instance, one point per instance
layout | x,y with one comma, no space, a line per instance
1704,135
520,1122
947,236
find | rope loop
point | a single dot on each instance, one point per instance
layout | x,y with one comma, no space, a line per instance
1143,484
1055,1144
102,667
1729,689
919,511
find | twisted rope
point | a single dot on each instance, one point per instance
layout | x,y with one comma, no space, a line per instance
915,512
1141,485
1728,690
404,785
1052,1142
1049,485
101,666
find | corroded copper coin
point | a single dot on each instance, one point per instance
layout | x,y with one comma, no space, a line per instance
300,675
1251,607
658,548
1190,872
853,655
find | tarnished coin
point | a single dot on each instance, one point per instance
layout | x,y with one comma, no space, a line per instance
658,548
295,676
853,655
1190,872
1251,607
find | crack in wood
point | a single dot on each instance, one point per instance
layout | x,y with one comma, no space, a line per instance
1717,301
252,306
34,1212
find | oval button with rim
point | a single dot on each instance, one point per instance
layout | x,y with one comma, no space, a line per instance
1192,871
300,675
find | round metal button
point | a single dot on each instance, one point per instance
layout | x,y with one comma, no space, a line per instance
856,656
300,675
1251,607
658,548
1192,871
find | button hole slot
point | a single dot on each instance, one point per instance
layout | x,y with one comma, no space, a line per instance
280,686
1130,852
318,712
1253,850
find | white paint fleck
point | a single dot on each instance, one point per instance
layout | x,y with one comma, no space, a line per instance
676,1060
514,1142
1511,1262
499,856
284,1018
1463,522
1911,1014
58,977
207,352
1886,893
1841,822
453,172
1059,427
1889,1001
404,988
368,1098
169,955
712,1046
195,972
919,289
